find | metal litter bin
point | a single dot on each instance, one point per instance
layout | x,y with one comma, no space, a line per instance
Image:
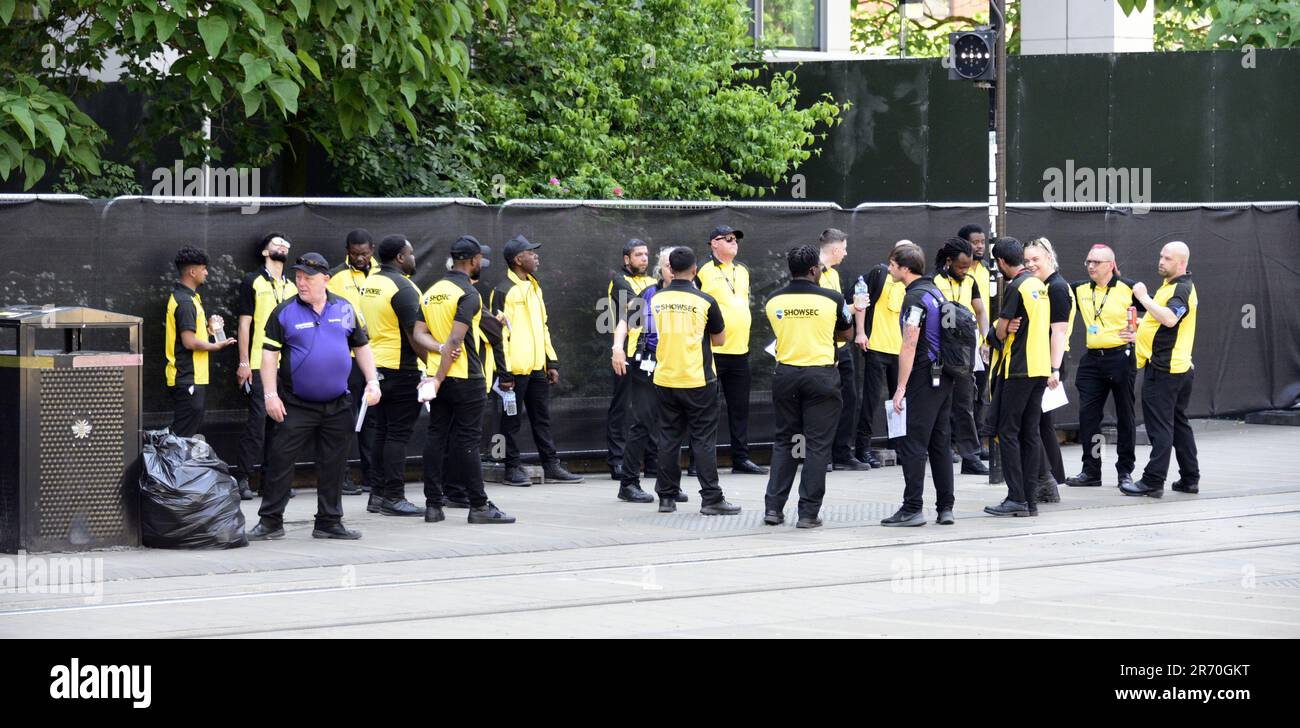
69,428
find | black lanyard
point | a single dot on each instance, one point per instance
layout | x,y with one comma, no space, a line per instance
1097,307
731,282
278,293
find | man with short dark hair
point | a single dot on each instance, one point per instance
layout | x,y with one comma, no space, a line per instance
308,348
624,301
955,277
807,319
1021,369
689,324
259,292
880,339
924,393
347,280
974,234
530,365
186,344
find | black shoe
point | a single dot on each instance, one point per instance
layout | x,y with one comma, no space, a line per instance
489,513
873,460
350,487
956,458
1008,508
1048,492
667,505
245,492
556,472
905,518
681,497
616,471
973,467
433,514
456,503
945,517
262,532
372,505
808,523
1141,488
1084,480
748,467
1182,487
336,530
634,494
1032,512
692,472
399,507
721,508
851,464
517,477
774,518
1125,478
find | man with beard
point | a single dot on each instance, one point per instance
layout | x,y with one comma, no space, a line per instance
624,295
259,293
974,234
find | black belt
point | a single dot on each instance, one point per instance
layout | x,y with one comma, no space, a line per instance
799,367
1111,351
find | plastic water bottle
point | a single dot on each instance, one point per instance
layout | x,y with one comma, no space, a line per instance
508,402
860,296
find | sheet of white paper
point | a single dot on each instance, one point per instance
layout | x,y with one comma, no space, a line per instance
979,360
361,416
897,420
1053,398
771,349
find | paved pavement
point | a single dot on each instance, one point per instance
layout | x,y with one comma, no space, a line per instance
1225,563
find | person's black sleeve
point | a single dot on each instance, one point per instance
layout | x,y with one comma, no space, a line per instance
1059,299
974,291
247,302
1178,303
358,336
494,331
621,297
186,315
1012,307
274,338
466,307
713,323
406,304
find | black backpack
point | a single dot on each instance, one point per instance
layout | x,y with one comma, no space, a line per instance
957,335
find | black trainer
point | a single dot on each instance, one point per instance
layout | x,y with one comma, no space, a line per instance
851,464
489,513
399,507
433,514
667,505
372,505
973,467
634,494
873,460
245,492
721,508
517,477
774,518
556,472
808,523
262,532
1182,487
681,497
747,467
351,487
945,517
1048,492
336,530
905,519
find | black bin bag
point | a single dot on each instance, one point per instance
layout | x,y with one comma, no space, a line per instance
188,498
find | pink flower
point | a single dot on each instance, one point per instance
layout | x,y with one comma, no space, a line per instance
555,182
618,191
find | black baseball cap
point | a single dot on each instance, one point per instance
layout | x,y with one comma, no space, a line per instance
721,230
468,246
313,264
517,245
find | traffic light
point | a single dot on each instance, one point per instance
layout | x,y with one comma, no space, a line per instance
971,54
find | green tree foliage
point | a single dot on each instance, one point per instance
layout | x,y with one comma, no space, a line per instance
876,28
270,74
1211,24
652,99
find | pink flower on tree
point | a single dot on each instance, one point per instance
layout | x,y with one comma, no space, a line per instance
555,182
618,191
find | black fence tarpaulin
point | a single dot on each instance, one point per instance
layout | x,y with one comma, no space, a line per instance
117,255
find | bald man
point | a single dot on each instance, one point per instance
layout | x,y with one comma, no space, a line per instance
1164,349
1106,369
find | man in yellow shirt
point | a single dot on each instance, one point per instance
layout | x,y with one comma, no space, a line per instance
834,247
348,280
727,280
880,336
186,343
624,301
974,234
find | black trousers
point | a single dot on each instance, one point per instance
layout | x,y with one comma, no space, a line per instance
451,452
1018,407
879,370
961,419
366,438
643,432
982,427
395,417
689,414
256,436
1102,373
616,418
1164,411
188,403
1050,464
847,427
807,403
532,398
929,413
734,380
327,426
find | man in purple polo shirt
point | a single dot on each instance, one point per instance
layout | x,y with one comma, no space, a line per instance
925,390
305,367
